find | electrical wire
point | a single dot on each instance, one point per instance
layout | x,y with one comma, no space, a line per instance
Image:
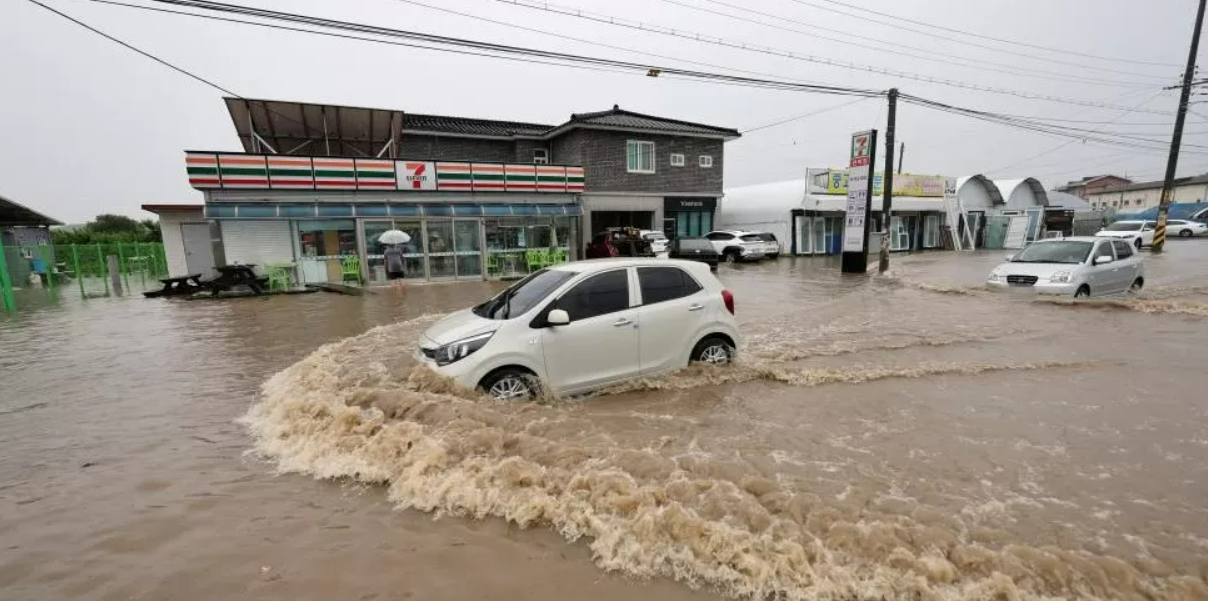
988,37
593,61
502,48
779,18
768,50
802,116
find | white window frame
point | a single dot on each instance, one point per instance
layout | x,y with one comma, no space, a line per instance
677,159
540,156
639,144
705,161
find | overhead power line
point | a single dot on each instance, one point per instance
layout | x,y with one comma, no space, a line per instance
803,116
989,37
895,50
779,18
568,60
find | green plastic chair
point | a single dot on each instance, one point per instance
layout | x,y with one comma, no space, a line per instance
537,258
492,263
557,256
352,269
279,278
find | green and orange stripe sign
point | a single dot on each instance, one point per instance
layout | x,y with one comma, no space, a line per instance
575,181
454,176
243,171
520,178
375,174
488,177
335,174
290,172
203,170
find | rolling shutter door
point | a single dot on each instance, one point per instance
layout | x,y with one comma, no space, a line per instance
257,242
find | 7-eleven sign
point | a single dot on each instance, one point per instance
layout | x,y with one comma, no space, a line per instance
860,147
415,175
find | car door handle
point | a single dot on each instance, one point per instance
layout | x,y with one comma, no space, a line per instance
695,307
624,321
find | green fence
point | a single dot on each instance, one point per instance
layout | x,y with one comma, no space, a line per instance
80,267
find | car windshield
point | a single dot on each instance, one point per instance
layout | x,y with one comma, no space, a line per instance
1123,226
694,244
1065,251
523,295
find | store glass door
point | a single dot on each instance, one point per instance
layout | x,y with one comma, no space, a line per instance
442,258
467,247
413,251
819,237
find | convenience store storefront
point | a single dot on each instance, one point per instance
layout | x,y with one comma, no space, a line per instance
467,221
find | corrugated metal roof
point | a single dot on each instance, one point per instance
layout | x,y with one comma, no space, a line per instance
12,213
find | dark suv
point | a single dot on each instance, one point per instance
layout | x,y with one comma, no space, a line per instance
694,249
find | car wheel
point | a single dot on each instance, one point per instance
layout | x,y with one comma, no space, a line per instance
1084,291
1137,285
731,256
1184,233
713,350
1137,243
510,383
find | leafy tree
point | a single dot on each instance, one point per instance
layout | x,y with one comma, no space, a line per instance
109,228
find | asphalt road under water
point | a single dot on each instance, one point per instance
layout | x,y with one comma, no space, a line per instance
888,437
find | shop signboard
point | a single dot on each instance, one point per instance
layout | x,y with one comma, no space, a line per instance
904,184
416,175
858,188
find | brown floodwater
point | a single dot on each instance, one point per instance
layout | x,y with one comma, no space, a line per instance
900,437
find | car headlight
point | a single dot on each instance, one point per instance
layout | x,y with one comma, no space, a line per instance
995,276
460,349
1061,277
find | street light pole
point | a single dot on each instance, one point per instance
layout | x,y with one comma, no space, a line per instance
1172,163
887,181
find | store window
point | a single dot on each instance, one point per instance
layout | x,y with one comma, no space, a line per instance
516,246
323,246
413,250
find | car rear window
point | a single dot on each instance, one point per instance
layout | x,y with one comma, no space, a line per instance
767,237
752,238
661,284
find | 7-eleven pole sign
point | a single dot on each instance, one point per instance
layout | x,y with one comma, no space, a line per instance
416,175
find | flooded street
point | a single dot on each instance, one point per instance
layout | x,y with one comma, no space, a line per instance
901,437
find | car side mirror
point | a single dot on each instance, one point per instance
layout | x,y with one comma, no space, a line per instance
1100,260
558,317
1009,257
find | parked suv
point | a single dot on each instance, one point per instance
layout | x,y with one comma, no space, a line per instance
771,246
578,327
737,245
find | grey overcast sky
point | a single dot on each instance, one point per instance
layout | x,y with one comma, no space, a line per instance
90,127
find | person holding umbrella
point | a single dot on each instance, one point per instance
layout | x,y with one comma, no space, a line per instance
394,239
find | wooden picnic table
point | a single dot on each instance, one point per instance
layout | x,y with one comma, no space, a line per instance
230,276
187,284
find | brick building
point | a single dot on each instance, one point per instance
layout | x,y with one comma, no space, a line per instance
317,185
1092,185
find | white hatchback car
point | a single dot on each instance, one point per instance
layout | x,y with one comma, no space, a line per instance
1079,266
578,327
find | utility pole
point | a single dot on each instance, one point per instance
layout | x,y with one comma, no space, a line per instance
887,183
901,156
1172,163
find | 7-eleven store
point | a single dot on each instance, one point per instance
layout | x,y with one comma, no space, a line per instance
467,221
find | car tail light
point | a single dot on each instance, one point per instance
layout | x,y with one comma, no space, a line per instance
728,298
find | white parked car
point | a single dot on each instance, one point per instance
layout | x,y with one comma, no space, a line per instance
658,241
582,326
1138,233
1079,266
735,245
1184,228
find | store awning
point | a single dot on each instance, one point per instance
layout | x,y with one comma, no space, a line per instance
329,210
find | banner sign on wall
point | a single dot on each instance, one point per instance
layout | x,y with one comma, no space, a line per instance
857,192
904,184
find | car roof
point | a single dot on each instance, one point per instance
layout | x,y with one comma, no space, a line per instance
614,262
1071,239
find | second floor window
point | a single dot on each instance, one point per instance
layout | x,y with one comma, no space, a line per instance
639,157
540,156
677,160
706,161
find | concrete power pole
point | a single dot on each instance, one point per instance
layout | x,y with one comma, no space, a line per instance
1172,163
887,181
